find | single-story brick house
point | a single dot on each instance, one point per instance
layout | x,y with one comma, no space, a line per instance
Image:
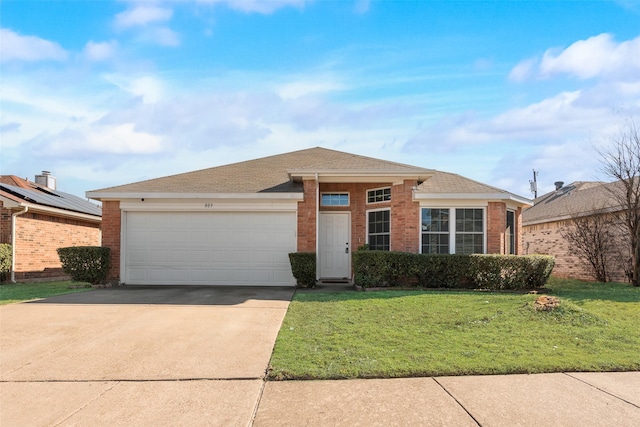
37,220
551,213
235,224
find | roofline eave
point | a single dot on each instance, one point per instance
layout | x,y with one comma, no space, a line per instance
473,196
99,195
34,207
374,176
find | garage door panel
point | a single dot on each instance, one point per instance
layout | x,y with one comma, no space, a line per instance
216,248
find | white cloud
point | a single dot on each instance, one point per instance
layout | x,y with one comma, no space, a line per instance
142,16
524,70
96,52
162,36
94,139
29,48
596,57
150,89
257,6
362,6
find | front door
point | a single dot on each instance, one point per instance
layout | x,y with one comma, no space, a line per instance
334,247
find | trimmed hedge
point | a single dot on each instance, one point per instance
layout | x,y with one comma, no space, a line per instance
388,269
303,267
6,252
85,263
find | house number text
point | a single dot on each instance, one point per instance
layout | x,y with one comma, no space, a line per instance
208,205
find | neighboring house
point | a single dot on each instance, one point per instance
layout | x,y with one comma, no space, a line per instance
551,213
37,219
235,224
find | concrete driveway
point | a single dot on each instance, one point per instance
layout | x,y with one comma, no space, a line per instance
112,356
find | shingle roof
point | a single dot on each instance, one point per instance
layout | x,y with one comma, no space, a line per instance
576,199
24,191
267,174
445,182
274,174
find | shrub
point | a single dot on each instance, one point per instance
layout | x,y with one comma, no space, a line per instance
85,263
5,260
380,268
303,267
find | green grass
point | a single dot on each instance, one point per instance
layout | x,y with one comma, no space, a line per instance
17,292
424,333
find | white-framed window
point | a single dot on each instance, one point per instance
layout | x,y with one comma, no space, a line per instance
453,230
334,199
379,229
435,231
378,195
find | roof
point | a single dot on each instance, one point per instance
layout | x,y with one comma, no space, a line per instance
26,193
283,173
579,198
274,174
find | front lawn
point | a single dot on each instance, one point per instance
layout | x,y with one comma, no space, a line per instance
17,292
424,333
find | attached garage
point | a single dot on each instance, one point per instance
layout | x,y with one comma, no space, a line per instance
208,248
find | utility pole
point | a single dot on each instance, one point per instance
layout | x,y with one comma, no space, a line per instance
534,184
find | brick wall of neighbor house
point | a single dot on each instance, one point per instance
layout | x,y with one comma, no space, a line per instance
39,235
111,220
547,239
5,224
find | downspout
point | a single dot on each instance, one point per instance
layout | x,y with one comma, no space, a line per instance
317,227
13,242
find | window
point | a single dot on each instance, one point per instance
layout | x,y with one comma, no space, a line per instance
455,231
378,230
435,231
379,195
334,199
469,231
510,234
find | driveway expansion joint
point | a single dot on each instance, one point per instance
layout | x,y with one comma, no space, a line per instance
599,389
457,401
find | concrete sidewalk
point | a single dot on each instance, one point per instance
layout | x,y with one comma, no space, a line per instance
571,399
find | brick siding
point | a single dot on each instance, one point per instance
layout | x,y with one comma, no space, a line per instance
111,221
39,235
404,214
546,239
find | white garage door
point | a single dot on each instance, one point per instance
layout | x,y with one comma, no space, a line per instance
209,248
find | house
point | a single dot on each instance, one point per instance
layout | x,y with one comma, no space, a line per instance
37,220
543,225
236,224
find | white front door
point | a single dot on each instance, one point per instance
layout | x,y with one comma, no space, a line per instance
334,245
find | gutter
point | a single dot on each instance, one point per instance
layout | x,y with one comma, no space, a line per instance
13,241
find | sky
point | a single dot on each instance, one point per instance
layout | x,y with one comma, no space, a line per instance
103,93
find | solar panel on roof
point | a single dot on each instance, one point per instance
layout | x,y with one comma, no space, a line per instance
54,198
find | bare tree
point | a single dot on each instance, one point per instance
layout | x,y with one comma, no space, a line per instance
593,240
622,163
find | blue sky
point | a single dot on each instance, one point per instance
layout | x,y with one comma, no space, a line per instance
103,93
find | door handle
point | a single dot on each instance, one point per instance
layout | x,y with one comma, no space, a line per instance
346,250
